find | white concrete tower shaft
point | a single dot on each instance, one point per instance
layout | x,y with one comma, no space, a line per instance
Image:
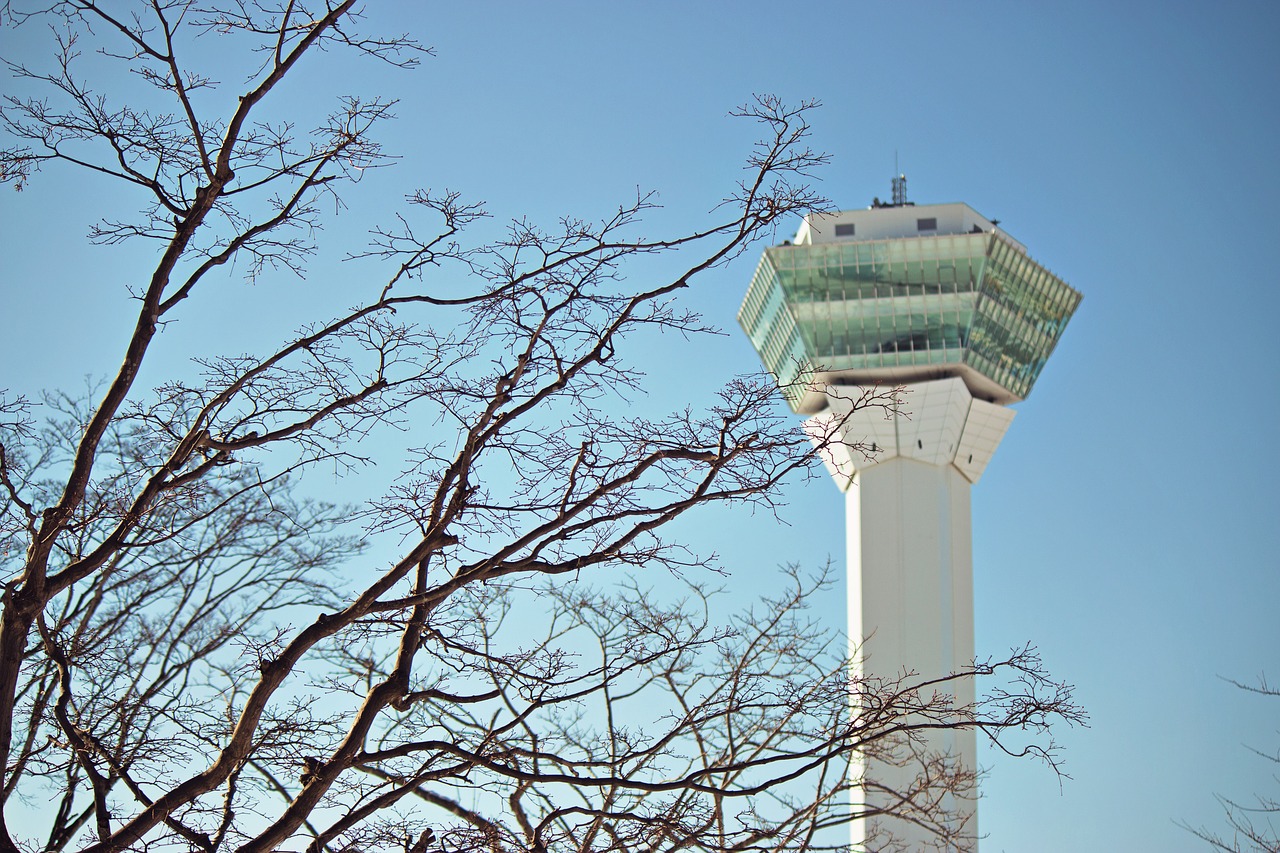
910,575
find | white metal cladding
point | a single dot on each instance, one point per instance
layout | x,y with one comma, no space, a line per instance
938,423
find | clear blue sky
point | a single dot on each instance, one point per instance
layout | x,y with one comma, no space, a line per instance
1129,525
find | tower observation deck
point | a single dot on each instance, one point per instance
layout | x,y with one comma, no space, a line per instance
940,301
898,294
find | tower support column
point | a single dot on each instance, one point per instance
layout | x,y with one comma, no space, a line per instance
910,572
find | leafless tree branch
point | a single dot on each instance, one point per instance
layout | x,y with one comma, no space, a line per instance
194,655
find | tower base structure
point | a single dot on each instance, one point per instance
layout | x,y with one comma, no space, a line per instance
910,588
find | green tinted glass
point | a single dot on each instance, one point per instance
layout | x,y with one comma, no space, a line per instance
963,299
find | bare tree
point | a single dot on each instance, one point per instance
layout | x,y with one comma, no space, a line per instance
194,656
1252,826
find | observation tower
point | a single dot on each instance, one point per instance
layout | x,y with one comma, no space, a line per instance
939,300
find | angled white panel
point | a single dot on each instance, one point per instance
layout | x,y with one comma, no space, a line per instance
869,427
825,432
983,432
934,413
